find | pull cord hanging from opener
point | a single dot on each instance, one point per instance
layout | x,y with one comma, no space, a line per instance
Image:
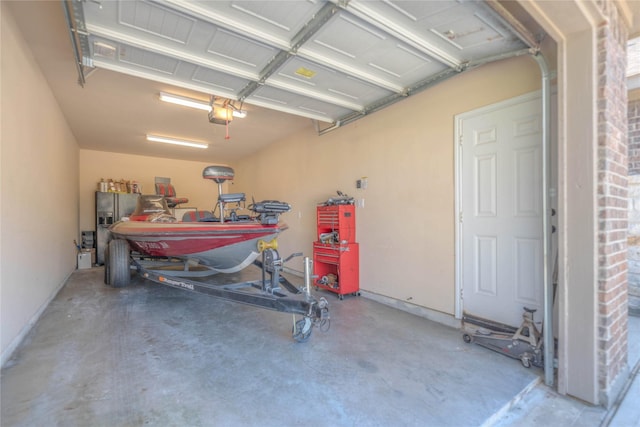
222,114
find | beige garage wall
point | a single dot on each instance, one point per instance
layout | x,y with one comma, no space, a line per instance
39,194
186,176
406,228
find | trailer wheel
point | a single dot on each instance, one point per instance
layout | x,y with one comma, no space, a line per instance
302,329
117,262
107,271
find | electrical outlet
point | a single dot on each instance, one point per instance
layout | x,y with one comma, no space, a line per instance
361,184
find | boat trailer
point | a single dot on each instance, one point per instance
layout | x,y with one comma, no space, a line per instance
264,293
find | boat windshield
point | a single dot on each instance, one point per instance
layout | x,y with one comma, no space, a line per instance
151,204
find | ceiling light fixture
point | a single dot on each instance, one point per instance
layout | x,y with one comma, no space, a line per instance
166,140
200,105
221,110
183,100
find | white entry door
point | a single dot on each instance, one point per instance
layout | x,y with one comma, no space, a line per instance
500,240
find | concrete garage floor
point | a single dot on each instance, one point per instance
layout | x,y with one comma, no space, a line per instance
543,406
153,355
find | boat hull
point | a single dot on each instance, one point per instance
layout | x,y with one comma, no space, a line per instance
223,247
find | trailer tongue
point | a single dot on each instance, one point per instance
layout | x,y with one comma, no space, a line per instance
307,311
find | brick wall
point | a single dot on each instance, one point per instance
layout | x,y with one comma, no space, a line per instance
633,114
612,200
633,241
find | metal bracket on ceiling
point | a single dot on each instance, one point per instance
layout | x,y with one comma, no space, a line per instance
501,56
312,27
267,71
421,86
335,125
78,36
392,99
378,20
511,22
308,30
463,66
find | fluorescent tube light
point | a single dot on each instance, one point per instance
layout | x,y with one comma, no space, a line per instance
183,100
196,103
186,143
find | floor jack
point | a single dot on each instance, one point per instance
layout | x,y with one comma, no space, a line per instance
525,344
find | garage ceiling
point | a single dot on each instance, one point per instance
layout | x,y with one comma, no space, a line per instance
332,62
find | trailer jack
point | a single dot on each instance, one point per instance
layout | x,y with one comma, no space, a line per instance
525,344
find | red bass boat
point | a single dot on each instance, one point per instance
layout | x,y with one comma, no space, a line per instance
226,243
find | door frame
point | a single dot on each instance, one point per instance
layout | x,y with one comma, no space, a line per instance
457,142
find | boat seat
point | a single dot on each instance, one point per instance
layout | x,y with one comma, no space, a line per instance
232,197
166,189
218,173
195,216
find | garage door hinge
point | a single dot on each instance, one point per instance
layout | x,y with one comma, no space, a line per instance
460,217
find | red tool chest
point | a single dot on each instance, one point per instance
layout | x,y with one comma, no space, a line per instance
336,255
337,218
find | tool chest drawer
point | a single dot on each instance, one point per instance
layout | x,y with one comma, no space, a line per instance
338,219
336,268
